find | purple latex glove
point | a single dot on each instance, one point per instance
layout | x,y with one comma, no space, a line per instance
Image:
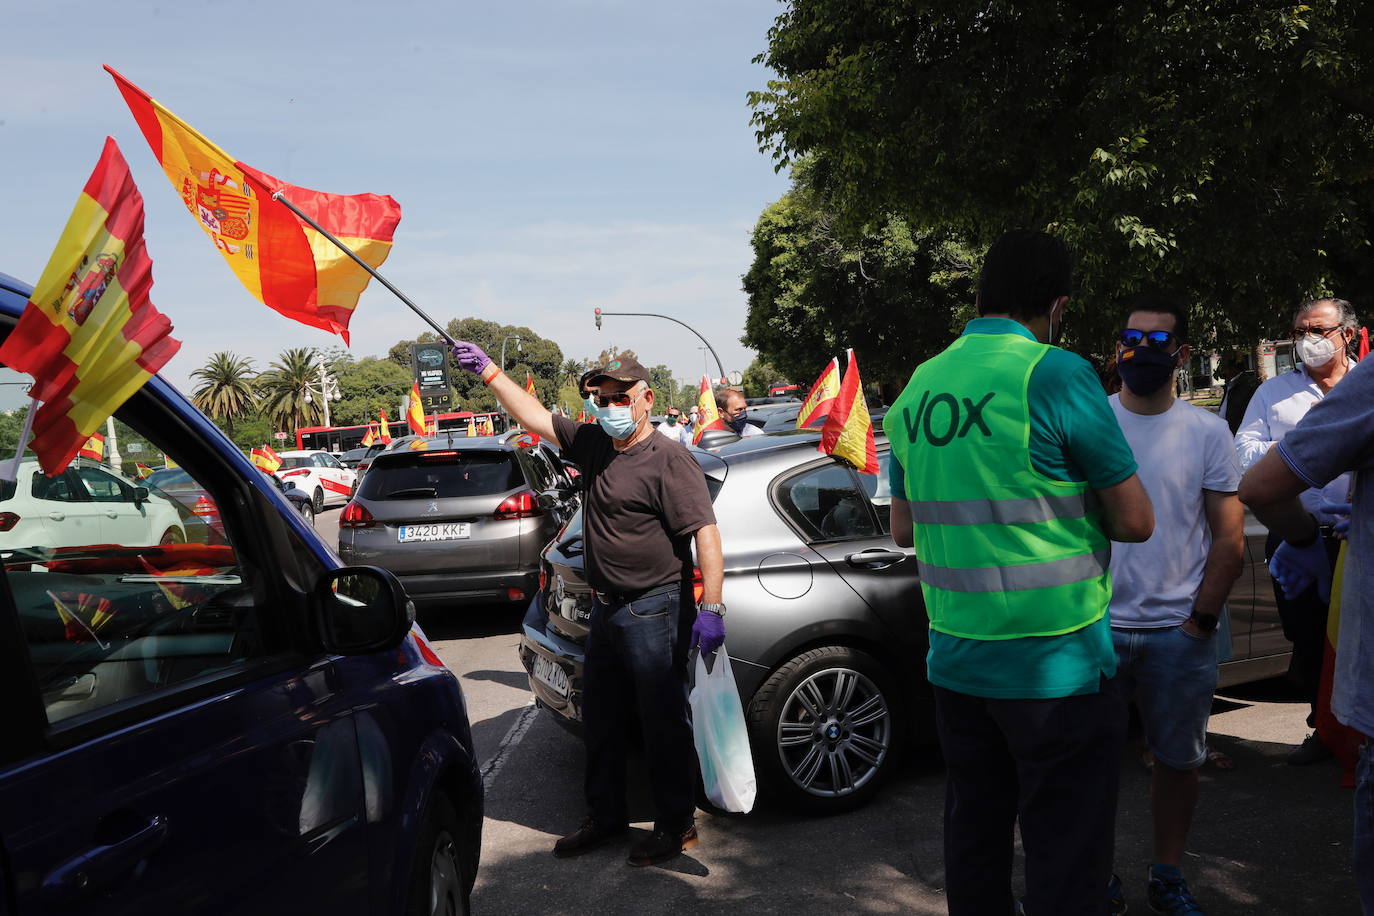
470,357
1296,568
708,633
1343,509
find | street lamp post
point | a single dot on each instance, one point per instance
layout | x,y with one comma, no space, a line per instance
719,365
519,347
329,390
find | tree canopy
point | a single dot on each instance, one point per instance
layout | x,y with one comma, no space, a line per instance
1217,148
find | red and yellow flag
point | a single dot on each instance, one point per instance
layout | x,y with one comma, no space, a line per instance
848,431
432,425
708,415
472,426
94,448
385,434
370,436
286,265
529,384
265,458
142,470
415,413
90,336
821,397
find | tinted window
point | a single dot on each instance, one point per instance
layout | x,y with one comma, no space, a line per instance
879,492
296,461
63,488
102,487
441,474
827,504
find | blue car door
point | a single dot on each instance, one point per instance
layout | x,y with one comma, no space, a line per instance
177,748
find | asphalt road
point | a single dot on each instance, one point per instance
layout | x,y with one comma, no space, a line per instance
1267,838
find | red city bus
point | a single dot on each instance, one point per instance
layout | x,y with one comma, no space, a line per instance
342,438
782,389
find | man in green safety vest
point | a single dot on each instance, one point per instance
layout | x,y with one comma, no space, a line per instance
1010,476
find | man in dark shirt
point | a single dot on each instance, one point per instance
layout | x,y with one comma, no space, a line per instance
645,504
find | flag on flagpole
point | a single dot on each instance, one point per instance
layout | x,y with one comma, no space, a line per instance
821,397
284,263
370,436
848,431
265,458
529,384
385,434
415,413
472,426
142,470
94,448
89,335
708,415
432,425
418,445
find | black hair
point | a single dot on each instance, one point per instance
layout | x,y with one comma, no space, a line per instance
1159,304
1024,272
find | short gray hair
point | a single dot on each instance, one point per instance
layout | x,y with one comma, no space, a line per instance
1344,309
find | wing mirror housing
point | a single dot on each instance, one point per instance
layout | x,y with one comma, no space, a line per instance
362,609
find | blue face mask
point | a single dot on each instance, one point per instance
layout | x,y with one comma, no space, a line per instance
618,422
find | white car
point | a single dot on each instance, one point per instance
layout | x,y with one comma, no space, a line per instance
318,475
88,503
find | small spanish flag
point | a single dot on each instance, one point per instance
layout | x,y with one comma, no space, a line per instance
529,384
821,397
142,470
386,428
848,431
370,436
708,415
94,448
472,426
415,413
266,459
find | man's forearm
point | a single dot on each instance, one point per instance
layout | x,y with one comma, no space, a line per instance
1224,563
1287,518
711,562
519,403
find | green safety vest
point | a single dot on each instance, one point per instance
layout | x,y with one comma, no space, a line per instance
1003,551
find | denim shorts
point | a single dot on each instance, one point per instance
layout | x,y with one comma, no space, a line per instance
1172,676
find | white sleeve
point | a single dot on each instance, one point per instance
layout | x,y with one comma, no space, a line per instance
1253,438
1221,467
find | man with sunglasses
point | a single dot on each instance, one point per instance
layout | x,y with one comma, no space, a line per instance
1168,591
1322,330
645,504
674,429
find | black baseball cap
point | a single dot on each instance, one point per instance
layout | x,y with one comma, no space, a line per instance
622,370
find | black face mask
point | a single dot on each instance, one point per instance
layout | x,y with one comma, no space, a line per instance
1145,370
737,424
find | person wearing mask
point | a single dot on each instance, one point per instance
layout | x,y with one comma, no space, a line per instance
1010,476
1334,438
734,412
645,504
674,429
1322,332
1168,592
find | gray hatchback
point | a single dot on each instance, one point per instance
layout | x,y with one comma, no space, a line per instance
460,520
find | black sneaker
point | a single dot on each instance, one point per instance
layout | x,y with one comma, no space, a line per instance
1312,750
661,846
585,838
1172,897
1116,896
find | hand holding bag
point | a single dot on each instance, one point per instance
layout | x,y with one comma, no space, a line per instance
722,739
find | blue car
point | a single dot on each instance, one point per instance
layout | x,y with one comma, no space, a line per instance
227,725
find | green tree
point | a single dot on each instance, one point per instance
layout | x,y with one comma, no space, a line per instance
284,388
540,356
226,389
760,376
366,386
1219,149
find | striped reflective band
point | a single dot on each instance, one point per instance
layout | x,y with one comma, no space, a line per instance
1016,578
1000,511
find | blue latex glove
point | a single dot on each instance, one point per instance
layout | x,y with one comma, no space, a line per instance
708,632
1296,568
470,357
1343,509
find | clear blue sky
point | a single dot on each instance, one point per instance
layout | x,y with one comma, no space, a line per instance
548,156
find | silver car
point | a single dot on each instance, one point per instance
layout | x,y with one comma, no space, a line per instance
461,520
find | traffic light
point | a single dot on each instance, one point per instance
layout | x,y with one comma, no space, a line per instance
598,319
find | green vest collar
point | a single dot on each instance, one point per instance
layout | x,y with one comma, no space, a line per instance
997,326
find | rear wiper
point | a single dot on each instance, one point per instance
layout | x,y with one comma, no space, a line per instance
412,492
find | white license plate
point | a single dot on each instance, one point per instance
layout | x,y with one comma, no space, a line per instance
552,676
450,531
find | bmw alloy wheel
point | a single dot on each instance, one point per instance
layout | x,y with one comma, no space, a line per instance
835,732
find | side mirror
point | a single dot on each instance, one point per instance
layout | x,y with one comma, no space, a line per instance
141,495
362,609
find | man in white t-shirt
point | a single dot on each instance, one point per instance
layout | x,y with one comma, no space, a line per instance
1168,592
673,427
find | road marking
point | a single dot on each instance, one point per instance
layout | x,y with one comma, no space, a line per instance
517,732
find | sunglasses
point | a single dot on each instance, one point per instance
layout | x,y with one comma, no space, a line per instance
1155,340
1300,333
620,399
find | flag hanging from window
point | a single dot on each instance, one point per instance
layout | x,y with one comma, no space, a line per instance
370,436
708,415
89,335
265,458
848,431
415,413
142,470
385,434
821,397
284,263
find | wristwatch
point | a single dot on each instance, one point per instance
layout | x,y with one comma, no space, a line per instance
1207,623
717,609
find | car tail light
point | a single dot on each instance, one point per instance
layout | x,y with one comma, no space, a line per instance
515,594
543,579
296,473
522,505
355,516
698,586
8,520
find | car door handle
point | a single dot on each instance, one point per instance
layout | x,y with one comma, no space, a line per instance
875,557
110,513
57,516
97,867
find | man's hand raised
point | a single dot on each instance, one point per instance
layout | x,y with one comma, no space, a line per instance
470,357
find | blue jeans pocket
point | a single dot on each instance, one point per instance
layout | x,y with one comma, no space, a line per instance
649,608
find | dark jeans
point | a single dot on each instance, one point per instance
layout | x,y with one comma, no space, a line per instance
1304,625
1053,764
636,667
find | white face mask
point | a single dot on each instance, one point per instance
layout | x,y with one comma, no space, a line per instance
1315,353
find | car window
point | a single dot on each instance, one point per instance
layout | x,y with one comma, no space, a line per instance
331,462
540,470
879,493
64,488
106,624
827,504
295,461
419,475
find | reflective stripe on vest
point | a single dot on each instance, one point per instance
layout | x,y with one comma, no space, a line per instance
1002,512
1016,578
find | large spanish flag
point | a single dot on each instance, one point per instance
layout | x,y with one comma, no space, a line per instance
821,397
415,413
708,415
848,431
287,265
90,336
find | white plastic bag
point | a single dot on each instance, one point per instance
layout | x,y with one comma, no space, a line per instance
727,769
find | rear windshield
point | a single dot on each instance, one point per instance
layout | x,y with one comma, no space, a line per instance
296,461
436,475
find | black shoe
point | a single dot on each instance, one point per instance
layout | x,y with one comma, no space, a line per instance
661,846
585,838
1312,750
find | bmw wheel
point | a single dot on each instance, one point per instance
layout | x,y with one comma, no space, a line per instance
317,500
824,729
437,887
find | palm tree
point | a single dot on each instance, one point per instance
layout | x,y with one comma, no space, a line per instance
288,393
572,371
227,390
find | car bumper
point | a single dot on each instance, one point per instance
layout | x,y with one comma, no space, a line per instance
468,587
537,643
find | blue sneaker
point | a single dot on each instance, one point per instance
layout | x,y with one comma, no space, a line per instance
1116,897
1171,895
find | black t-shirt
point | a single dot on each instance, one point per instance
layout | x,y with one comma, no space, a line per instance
640,507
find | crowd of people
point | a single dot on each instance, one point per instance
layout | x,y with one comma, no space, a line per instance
1075,552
